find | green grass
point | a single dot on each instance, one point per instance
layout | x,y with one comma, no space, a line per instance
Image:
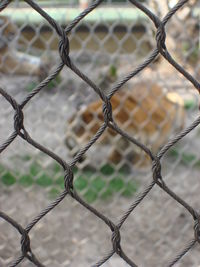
52,84
35,169
107,169
186,158
8,178
26,180
81,183
44,180
90,184
190,104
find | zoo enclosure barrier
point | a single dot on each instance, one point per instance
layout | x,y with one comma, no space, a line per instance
109,121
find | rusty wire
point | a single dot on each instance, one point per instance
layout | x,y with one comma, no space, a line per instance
68,178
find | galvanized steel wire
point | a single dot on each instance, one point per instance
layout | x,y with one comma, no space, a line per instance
109,121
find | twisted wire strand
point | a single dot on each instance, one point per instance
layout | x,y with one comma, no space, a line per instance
189,246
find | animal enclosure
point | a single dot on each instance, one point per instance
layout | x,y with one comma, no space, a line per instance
99,138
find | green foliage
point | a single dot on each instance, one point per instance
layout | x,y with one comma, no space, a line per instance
44,180
107,169
26,158
98,187
26,180
57,168
113,71
60,182
90,196
35,169
116,184
31,86
185,158
53,193
107,193
52,84
190,104
98,184
124,169
81,183
130,189
91,185
8,179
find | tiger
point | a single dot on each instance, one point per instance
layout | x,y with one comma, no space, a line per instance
146,112
13,61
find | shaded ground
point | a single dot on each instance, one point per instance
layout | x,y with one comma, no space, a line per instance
72,236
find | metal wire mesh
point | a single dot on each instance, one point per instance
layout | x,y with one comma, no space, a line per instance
109,122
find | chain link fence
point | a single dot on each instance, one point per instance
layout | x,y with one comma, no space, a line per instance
103,163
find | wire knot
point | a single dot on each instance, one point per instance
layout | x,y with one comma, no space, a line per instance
69,177
160,38
64,48
18,120
116,238
156,169
107,111
25,244
197,229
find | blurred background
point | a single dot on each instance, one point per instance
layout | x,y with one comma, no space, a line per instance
106,45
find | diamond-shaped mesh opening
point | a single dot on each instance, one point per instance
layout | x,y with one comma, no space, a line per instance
110,106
